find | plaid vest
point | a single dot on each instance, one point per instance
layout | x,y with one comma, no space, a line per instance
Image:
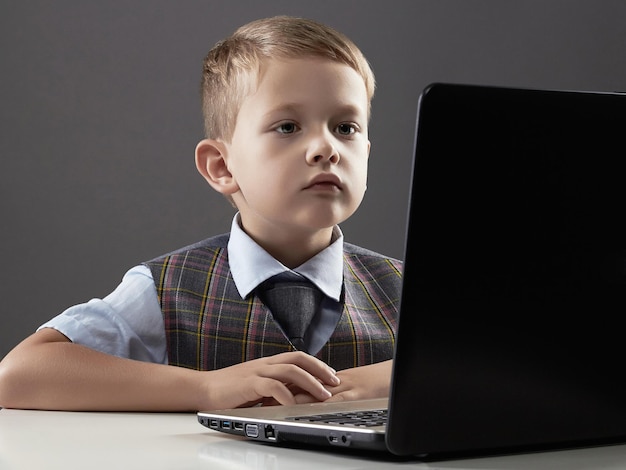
209,326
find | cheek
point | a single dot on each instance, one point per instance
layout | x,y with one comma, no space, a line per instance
359,185
361,175
264,182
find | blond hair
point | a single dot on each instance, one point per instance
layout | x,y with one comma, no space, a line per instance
232,66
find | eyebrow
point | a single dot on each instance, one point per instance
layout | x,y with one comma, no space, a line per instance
284,107
342,109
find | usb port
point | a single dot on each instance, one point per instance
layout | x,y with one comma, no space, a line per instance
213,423
225,424
238,426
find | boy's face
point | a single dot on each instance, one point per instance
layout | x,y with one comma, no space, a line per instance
300,148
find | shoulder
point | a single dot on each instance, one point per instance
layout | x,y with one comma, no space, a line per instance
208,245
190,265
360,258
379,275
357,251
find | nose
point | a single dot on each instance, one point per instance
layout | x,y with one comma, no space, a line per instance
321,150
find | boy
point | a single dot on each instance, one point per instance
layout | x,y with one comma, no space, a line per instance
286,104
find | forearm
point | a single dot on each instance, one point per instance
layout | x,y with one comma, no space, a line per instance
46,371
61,375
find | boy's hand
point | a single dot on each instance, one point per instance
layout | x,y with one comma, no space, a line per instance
371,381
270,380
358,383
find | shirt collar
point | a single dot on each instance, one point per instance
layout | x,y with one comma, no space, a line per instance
250,264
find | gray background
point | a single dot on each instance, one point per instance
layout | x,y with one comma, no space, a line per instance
100,115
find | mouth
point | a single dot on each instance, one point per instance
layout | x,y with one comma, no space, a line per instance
328,182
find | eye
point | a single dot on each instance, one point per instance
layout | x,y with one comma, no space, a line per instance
346,129
286,128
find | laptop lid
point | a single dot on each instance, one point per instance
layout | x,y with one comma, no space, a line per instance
510,334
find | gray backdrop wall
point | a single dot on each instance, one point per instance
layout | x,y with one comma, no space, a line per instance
100,115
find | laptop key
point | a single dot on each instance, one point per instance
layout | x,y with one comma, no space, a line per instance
360,418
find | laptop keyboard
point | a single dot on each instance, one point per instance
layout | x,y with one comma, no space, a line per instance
367,418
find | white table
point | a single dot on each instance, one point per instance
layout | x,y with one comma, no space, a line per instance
70,440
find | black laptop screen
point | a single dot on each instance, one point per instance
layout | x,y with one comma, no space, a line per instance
515,275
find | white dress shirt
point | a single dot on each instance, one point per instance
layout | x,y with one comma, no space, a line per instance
129,322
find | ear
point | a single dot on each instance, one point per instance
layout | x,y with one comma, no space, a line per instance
211,163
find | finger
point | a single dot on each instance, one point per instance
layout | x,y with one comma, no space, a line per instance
271,389
301,396
312,365
276,393
295,375
343,396
304,398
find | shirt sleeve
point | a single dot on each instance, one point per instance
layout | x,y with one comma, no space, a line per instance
126,323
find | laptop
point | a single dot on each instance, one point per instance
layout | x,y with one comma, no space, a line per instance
510,336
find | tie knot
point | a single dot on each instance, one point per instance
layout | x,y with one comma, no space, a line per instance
286,277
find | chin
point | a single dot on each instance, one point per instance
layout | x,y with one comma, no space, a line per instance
328,220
